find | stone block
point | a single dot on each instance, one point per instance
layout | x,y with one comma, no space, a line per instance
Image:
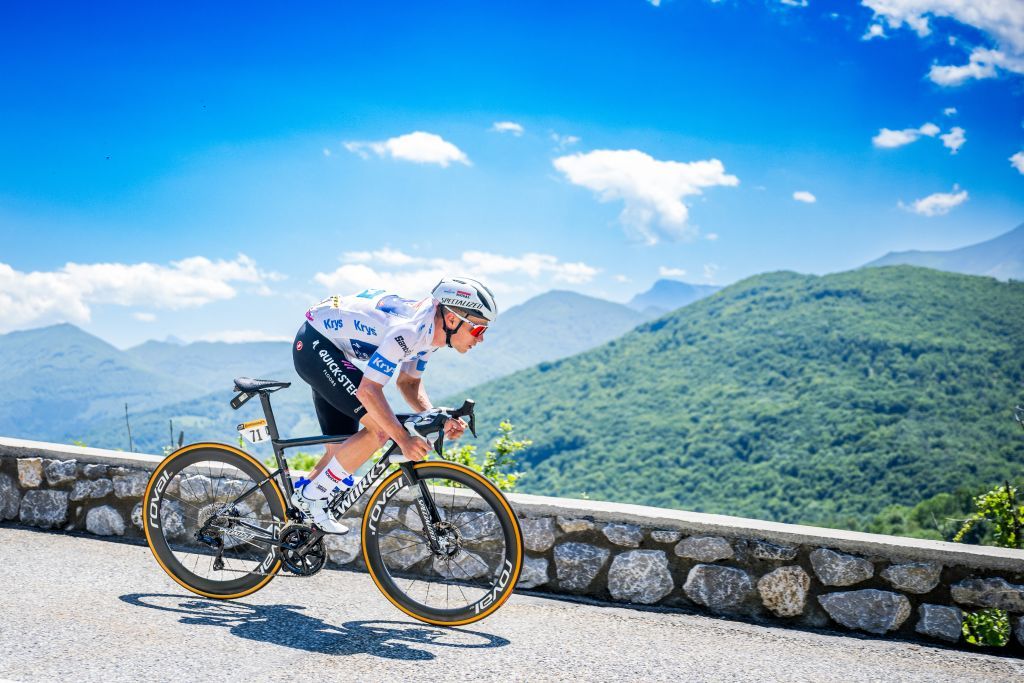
104,521
465,566
640,576
764,550
538,534
940,621
60,472
10,497
840,569
344,548
577,564
46,509
913,577
97,488
93,471
626,535
720,589
403,549
570,525
535,572
704,548
784,591
30,472
868,610
665,536
133,485
990,592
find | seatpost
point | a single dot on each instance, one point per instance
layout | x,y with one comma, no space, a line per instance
269,413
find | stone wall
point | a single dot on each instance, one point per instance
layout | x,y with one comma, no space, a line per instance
777,573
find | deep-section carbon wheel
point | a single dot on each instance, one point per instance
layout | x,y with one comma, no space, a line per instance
480,548
204,536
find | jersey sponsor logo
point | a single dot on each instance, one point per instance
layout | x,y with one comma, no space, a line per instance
382,364
401,342
362,350
364,328
369,293
333,323
421,365
298,345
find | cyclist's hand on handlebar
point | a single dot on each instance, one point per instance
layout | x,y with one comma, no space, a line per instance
453,429
414,448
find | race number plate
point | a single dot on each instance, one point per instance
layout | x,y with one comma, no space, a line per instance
255,431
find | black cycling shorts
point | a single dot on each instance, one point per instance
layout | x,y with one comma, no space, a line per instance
334,380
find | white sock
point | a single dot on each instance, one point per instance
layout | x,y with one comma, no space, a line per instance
332,479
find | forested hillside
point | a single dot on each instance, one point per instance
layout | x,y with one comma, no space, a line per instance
787,397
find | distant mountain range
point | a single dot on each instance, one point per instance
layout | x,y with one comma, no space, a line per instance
1001,257
668,295
63,384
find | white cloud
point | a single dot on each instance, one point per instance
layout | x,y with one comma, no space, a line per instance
711,236
804,196
413,275
665,271
507,127
710,271
794,3
938,204
1001,20
652,190
327,152
621,278
889,139
563,142
954,139
949,111
68,294
655,3
1017,161
874,31
240,336
144,317
417,147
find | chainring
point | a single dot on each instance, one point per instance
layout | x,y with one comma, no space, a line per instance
302,564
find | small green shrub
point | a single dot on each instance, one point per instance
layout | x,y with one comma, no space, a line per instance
989,627
498,463
998,507
298,461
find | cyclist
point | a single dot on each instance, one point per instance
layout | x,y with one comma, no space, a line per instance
388,333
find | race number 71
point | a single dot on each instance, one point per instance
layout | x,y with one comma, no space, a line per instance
255,431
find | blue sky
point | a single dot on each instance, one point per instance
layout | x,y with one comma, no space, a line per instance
208,172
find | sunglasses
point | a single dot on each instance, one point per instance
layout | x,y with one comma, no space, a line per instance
475,329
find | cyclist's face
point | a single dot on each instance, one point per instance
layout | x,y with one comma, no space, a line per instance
463,340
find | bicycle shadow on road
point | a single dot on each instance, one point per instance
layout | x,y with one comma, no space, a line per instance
285,625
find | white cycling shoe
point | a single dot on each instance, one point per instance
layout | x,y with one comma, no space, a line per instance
317,512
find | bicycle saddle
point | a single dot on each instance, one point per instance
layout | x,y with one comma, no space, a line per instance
249,385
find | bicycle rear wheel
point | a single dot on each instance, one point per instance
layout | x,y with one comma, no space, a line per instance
481,553
203,533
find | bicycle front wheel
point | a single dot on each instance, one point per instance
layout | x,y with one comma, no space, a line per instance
480,548
211,513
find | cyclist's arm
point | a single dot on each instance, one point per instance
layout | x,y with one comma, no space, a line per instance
371,395
413,392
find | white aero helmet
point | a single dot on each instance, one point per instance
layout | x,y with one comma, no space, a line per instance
468,294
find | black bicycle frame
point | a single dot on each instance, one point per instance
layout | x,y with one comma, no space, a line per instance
341,503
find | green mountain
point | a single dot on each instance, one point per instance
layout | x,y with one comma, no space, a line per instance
787,397
668,295
1001,257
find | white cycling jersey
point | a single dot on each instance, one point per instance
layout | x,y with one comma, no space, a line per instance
378,327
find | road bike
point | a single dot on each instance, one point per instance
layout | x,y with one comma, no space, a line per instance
440,540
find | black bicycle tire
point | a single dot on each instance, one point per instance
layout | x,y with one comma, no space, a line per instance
511,531
161,548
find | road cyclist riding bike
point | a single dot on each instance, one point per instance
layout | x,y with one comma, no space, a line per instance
439,540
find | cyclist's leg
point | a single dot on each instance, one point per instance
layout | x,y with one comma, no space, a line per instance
355,450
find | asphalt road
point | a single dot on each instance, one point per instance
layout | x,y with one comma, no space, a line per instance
74,608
